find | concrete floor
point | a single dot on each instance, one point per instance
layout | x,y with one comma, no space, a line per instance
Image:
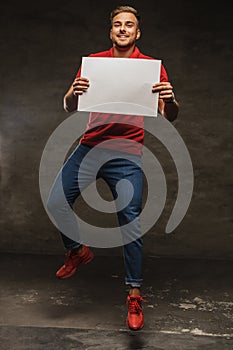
189,305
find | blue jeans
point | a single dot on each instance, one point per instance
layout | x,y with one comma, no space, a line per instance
112,171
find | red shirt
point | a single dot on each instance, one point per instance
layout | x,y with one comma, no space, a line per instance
97,132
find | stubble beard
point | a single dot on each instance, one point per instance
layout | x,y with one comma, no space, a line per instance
125,46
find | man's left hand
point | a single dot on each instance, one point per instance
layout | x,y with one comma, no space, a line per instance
164,89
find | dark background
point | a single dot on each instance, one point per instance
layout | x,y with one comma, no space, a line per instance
41,47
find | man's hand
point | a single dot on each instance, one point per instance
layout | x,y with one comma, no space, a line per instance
168,106
165,90
80,85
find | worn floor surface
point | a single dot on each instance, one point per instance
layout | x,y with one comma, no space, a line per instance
189,305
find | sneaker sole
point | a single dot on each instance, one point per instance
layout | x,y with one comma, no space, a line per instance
67,276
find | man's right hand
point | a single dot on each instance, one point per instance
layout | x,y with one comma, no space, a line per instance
80,85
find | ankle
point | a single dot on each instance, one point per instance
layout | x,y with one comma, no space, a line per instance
134,291
77,250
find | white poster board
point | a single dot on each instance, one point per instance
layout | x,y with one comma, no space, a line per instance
120,85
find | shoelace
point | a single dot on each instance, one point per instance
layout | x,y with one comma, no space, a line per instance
134,304
68,256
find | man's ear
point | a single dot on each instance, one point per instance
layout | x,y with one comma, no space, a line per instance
138,34
110,34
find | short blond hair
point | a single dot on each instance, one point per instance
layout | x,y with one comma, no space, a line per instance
120,9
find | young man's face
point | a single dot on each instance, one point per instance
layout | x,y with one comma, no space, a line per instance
124,31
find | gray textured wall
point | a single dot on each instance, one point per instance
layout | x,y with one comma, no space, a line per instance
41,46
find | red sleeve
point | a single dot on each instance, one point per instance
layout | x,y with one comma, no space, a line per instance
163,74
79,73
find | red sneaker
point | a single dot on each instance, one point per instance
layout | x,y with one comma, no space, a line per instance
73,260
135,318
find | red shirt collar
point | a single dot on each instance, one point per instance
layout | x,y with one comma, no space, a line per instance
135,54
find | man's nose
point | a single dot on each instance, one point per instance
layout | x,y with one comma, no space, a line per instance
122,29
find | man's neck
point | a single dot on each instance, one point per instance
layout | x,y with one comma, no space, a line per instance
123,53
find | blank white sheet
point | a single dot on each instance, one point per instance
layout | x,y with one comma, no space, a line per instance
120,86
